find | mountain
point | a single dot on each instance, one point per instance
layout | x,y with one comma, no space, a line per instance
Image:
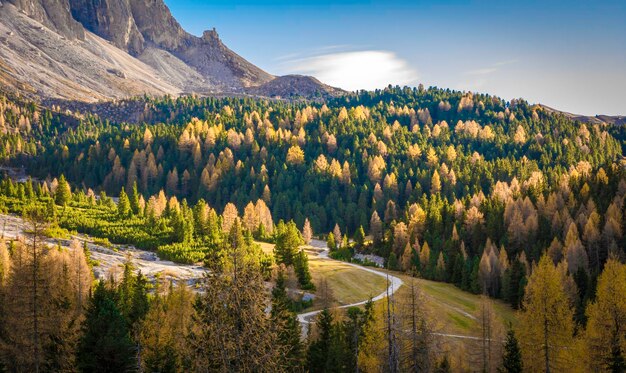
618,120
89,50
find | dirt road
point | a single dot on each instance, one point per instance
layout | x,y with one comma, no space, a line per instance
394,284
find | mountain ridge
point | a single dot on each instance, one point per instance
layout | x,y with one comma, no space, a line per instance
88,50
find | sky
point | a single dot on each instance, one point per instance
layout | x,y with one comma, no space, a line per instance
569,55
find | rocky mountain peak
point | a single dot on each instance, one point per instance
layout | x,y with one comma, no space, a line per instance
145,50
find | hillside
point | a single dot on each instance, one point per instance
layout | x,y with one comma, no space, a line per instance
618,120
89,51
473,193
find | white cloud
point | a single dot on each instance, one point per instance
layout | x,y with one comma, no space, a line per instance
355,70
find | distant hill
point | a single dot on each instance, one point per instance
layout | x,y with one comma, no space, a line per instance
90,50
618,120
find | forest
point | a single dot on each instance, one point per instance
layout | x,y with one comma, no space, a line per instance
503,199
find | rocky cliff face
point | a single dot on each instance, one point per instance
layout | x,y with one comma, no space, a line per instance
52,13
148,33
111,20
134,25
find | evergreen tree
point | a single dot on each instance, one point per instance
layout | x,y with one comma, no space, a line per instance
230,314
301,267
288,242
63,193
444,365
123,205
134,199
359,237
330,242
318,359
106,345
392,262
287,327
512,355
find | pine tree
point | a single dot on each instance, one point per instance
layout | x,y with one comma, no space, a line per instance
134,200
392,262
330,242
287,327
288,241
444,365
63,193
319,349
301,267
359,237
105,345
512,356
123,205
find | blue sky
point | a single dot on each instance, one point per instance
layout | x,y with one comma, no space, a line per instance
570,55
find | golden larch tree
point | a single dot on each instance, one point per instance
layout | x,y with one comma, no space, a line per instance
605,337
546,323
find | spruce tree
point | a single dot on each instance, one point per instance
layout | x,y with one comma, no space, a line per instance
330,242
123,205
106,345
288,240
287,327
319,349
512,355
63,193
301,267
134,199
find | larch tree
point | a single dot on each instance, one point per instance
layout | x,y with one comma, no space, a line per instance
605,338
418,331
435,183
307,231
337,235
295,155
163,334
229,216
5,263
233,332
28,298
490,335
546,323
376,227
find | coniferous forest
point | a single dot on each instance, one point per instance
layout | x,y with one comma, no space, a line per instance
503,199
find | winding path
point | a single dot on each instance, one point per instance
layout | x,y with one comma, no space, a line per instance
394,282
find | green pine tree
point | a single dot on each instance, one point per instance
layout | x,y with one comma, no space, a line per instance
319,349
63,193
134,199
301,267
512,355
330,242
106,345
123,205
288,241
285,321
